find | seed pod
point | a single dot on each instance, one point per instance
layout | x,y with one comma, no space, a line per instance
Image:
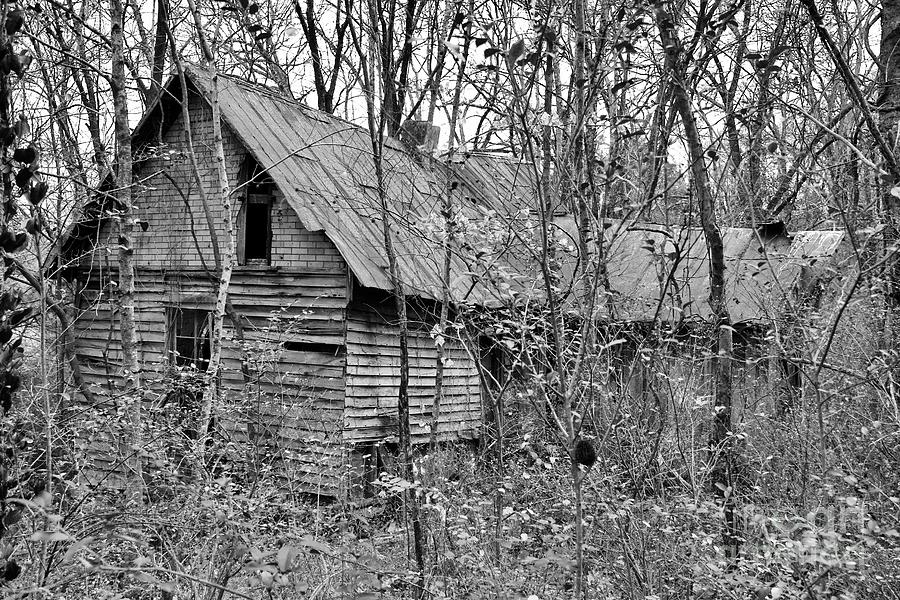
6,396
13,381
585,453
23,177
25,155
11,570
14,21
19,315
14,241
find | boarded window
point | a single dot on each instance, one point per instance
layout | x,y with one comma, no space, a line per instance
189,337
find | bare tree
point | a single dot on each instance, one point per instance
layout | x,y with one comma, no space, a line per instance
211,396
721,438
126,220
379,119
325,82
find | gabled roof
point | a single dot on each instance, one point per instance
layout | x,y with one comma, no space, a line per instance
323,165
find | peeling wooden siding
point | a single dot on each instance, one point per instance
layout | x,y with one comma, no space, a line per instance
290,409
373,380
290,413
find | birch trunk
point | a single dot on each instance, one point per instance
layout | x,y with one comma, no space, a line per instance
123,177
212,394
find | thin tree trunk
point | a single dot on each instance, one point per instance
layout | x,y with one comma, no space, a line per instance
403,390
762,115
325,87
195,167
447,214
584,193
160,43
889,114
403,63
377,135
434,81
853,88
123,178
84,81
211,396
720,440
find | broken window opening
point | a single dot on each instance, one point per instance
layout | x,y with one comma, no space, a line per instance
255,218
324,348
257,229
190,338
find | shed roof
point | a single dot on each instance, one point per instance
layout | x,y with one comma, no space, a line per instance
659,271
662,272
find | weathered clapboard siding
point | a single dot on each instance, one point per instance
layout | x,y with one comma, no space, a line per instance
373,380
289,413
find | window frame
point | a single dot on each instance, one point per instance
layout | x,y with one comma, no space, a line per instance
258,200
174,316
259,189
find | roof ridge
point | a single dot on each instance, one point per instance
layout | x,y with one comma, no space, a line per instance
197,69
498,155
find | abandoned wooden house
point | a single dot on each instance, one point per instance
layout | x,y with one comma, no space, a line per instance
310,360
311,290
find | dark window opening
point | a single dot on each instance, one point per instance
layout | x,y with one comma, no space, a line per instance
190,337
332,349
257,228
491,363
255,217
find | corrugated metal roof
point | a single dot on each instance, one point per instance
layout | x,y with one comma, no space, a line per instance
761,275
324,167
663,272
506,182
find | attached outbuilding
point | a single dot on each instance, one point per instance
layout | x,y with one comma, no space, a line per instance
653,296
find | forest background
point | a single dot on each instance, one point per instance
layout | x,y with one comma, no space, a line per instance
705,113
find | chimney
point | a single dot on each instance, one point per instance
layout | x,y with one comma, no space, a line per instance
774,236
772,230
420,135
